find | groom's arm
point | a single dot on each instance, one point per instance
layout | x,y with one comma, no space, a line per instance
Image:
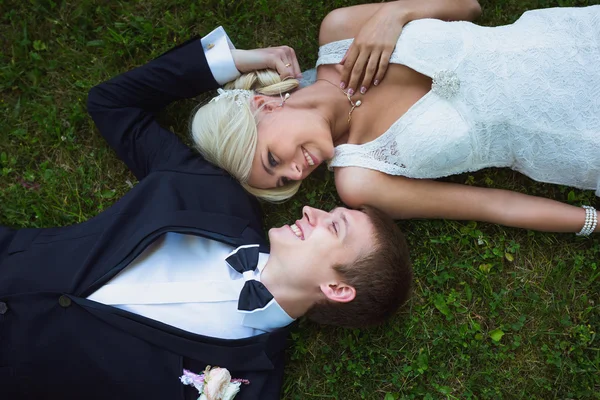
124,108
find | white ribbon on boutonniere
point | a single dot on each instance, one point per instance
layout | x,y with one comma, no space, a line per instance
214,384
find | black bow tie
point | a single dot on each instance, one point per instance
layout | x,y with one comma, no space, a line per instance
254,294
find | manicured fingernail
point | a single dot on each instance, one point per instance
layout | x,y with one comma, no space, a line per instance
363,90
350,91
342,86
376,82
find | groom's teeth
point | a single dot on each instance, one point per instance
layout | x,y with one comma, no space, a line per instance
308,158
297,231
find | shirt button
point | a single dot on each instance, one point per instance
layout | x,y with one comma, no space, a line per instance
3,308
64,301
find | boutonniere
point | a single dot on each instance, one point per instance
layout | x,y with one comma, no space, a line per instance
214,384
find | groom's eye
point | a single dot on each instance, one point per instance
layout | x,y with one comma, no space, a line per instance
272,161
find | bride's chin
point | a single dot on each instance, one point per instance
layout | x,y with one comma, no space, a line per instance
329,153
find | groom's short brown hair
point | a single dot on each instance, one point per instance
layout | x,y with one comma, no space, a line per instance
382,279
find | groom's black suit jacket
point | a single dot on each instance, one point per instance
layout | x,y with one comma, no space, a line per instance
56,344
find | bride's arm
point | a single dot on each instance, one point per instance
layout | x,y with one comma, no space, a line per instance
346,22
447,10
405,198
376,28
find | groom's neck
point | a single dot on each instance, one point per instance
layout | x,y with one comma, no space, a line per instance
294,300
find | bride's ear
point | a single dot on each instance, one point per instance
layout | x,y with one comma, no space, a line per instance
262,102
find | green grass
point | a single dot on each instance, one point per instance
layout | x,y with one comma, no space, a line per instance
474,282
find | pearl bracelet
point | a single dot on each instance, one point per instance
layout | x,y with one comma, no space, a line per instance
591,221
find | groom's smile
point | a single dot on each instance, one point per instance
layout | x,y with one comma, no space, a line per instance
323,238
297,231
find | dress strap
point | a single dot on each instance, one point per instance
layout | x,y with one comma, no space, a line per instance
332,53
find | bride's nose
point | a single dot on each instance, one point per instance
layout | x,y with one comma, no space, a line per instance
295,171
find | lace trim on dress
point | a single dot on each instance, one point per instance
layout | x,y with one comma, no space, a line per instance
525,95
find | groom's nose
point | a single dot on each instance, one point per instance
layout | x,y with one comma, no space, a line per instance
313,215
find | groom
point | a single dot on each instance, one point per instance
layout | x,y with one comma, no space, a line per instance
177,274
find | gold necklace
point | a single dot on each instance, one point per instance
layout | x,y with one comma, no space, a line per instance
354,104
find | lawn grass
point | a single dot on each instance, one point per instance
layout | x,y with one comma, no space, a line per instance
497,313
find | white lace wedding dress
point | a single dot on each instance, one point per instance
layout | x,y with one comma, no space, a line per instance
524,96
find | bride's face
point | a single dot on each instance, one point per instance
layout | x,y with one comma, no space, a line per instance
291,144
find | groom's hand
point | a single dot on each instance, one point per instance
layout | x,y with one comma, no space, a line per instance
282,59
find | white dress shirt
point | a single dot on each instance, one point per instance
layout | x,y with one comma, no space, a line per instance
183,280
217,49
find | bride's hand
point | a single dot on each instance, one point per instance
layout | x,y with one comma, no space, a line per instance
282,59
369,55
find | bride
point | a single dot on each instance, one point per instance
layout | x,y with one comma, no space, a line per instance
456,97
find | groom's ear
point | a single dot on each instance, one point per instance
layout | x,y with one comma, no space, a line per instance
338,291
263,102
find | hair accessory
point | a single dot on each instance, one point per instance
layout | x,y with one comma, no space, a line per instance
283,99
591,221
240,96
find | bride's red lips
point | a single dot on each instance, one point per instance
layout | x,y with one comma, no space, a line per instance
315,160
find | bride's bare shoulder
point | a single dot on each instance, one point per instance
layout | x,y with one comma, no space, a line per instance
358,186
345,23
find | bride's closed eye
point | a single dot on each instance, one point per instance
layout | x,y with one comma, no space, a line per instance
272,161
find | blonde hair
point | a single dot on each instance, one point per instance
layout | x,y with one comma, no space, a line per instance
225,131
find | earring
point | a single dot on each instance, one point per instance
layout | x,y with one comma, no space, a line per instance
283,99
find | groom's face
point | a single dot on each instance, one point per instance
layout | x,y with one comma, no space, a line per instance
310,247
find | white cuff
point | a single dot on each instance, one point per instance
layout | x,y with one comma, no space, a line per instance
217,48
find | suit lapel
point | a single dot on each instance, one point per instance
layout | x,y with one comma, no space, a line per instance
223,228
250,354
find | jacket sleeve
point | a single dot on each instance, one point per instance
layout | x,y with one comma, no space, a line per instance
125,107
